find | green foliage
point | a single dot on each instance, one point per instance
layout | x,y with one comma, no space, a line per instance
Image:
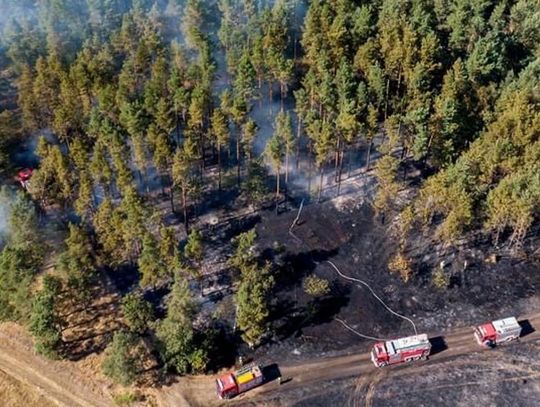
440,279
254,186
401,265
150,262
316,286
21,257
138,313
252,296
244,253
122,362
44,323
18,267
9,132
126,398
20,217
194,249
78,263
252,302
180,347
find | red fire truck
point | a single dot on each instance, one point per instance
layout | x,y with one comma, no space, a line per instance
24,176
401,350
234,383
493,333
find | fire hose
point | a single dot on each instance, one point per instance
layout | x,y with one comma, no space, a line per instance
345,277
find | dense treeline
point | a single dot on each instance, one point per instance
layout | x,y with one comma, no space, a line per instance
137,100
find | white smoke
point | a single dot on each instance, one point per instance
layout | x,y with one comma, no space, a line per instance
6,199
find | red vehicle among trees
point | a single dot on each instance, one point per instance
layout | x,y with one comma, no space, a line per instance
401,350
24,176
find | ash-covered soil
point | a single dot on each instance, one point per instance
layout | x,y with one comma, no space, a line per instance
360,246
507,376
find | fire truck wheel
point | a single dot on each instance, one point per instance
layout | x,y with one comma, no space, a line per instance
382,364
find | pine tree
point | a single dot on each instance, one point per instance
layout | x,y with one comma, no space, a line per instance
122,362
249,133
177,340
78,264
138,312
44,323
181,179
252,301
220,131
194,253
283,129
274,152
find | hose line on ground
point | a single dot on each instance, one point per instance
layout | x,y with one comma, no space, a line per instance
350,279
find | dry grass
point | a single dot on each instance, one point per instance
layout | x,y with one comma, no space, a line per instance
16,394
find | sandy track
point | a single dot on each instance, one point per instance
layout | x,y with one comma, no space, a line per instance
61,387
199,391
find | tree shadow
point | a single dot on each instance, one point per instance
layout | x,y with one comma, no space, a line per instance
271,372
438,345
526,327
291,318
123,277
80,348
297,266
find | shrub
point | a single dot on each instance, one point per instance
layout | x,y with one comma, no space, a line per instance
401,265
315,286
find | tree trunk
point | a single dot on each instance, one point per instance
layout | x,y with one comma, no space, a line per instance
336,159
386,99
340,170
349,163
260,79
320,185
177,125
298,135
282,91
309,169
368,159
277,190
169,181
172,198
184,206
238,159
286,167
219,167
146,183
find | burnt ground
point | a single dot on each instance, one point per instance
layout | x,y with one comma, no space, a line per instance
352,238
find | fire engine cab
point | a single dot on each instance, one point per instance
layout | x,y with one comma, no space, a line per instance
401,350
244,379
24,177
493,333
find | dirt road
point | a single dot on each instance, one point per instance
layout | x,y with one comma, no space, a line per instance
66,388
200,391
58,381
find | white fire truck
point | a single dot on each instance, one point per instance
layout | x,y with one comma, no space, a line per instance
496,332
401,350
